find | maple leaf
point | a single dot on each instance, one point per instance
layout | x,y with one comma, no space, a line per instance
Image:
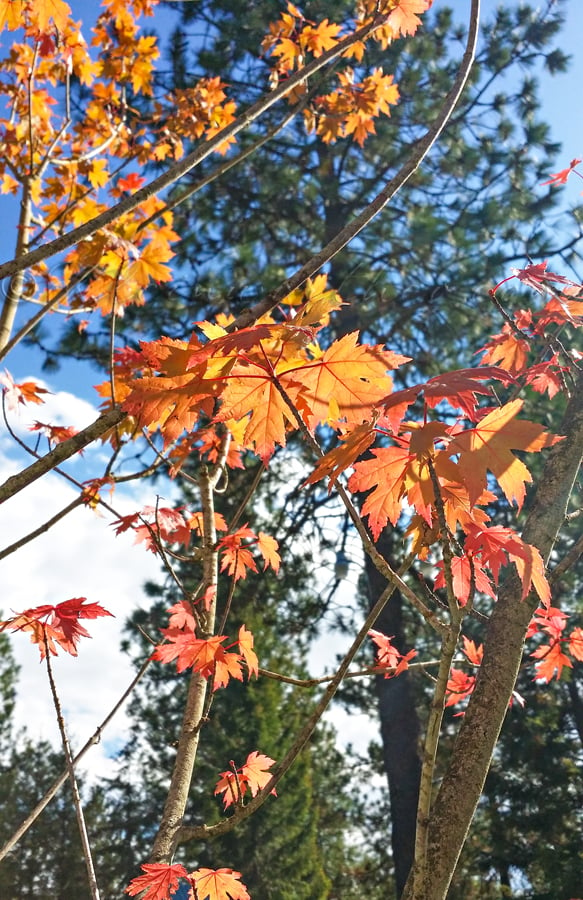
12,14
56,624
507,349
247,651
551,661
459,686
353,445
254,770
404,17
388,657
318,38
159,881
236,558
576,644
55,433
208,656
252,776
251,391
347,381
460,388
25,392
43,12
385,473
561,177
218,884
267,546
181,616
535,275
546,377
488,447
130,182
462,570
497,544
473,652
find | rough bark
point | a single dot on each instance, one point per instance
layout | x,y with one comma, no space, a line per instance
463,782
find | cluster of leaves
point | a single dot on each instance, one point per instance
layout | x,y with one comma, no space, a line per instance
52,626
160,881
349,109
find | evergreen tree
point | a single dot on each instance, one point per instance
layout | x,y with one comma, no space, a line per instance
47,863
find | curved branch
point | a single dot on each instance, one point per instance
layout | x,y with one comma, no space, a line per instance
61,452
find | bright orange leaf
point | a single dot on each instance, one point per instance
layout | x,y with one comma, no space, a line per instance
218,884
488,447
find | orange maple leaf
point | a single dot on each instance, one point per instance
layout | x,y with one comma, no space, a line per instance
236,557
247,651
159,881
576,643
218,884
353,444
252,776
488,447
12,14
551,661
25,392
251,391
267,546
385,473
474,652
347,381
404,17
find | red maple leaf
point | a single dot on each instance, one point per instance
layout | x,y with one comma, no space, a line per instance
159,881
388,657
576,643
59,624
462,570
497,544
459,686
561,177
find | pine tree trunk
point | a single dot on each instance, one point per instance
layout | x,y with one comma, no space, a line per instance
400,727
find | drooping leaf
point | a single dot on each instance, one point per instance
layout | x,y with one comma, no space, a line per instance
489,446
218,884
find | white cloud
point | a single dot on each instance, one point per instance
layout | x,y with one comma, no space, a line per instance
80,556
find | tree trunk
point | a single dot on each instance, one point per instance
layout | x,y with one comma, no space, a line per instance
400,727
458,796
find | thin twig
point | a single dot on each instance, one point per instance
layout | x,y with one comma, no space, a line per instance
78,501
59,782
86,846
